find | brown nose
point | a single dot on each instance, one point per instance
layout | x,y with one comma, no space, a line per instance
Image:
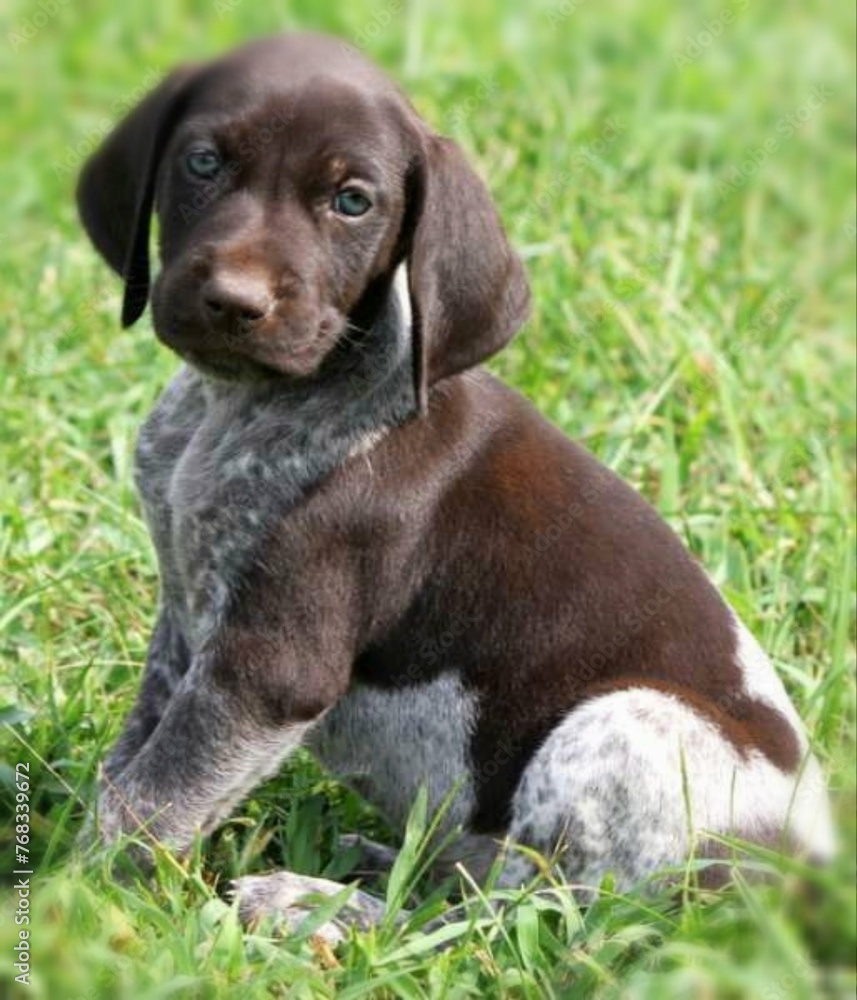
230,297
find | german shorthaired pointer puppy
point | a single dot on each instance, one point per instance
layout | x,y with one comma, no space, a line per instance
371,547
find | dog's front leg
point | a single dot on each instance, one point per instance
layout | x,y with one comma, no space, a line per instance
167,661
220,734
231,720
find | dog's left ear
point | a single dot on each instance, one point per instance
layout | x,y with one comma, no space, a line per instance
116,189
469,290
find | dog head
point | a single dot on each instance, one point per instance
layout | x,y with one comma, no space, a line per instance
291,179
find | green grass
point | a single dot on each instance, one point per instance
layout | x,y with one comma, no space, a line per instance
694,327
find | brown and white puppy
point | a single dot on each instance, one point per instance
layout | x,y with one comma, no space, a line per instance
370,546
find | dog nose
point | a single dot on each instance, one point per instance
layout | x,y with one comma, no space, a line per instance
243,298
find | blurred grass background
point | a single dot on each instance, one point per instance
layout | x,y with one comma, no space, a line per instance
681,184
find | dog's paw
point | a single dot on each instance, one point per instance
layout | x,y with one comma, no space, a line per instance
120,813
373,859
123,814
285,898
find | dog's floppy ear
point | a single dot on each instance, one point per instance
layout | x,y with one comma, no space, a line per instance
468,288
116,189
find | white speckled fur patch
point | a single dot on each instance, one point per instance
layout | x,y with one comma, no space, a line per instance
608,787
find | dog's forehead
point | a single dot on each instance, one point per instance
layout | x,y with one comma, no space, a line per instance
293,66
324,108
310,91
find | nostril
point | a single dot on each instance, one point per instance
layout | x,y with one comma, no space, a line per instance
250,315
235,299
245,313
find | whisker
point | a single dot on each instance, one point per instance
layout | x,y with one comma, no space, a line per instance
357,329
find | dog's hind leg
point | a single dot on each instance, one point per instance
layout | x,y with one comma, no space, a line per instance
633,780
287,899
373,858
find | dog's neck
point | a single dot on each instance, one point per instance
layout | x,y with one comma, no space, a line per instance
365,387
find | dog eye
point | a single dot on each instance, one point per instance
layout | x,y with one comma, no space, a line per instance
351,202
203,163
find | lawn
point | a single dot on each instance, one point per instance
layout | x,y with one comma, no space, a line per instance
681,184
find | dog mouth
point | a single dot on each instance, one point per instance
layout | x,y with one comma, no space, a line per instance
242,359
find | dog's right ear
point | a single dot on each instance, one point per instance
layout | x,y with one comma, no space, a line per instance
116,189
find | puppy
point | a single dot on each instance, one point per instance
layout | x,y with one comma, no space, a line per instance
370,546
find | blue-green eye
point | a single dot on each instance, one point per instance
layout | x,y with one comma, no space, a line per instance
351,202
204,163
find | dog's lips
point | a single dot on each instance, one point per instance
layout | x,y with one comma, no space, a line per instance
292,355
261,359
